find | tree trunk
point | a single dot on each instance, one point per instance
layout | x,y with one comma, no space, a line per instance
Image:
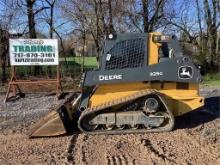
3,53
201,50
111,27
104,26
211,23
97,37
83,52
213,35
4,76
145,15
217,46
31,21
49,68
31,25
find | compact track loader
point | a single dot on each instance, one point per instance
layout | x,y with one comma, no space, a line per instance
143,82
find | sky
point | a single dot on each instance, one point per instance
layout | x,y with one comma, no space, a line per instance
68,27
42,27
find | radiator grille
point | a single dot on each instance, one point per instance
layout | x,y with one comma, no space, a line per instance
126,54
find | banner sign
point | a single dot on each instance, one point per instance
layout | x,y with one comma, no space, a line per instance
25,52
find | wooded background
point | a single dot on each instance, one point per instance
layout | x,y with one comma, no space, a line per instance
81,25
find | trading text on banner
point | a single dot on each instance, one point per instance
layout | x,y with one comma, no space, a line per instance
24,52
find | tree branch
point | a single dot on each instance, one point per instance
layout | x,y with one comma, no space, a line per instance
41,9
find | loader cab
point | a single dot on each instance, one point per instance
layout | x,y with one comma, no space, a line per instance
124,51
136,50
165,52
163,48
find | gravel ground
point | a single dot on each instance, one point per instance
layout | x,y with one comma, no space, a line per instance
195,140
24,111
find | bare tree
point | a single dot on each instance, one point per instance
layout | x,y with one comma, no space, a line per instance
6,18
4,36
50,21
202,30
200,27
211,15
31,18
88,17
152,13
31,13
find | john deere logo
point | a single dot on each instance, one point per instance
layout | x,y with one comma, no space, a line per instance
185,72
110,77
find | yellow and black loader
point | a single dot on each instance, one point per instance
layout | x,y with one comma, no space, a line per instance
144,81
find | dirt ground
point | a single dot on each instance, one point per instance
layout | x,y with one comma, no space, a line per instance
195,139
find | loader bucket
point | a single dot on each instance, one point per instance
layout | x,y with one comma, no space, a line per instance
57,122
53,124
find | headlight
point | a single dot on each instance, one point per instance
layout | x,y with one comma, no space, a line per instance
111,36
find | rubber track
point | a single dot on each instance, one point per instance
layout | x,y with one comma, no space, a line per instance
132,97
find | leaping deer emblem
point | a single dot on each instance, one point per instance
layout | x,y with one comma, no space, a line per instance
185,73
